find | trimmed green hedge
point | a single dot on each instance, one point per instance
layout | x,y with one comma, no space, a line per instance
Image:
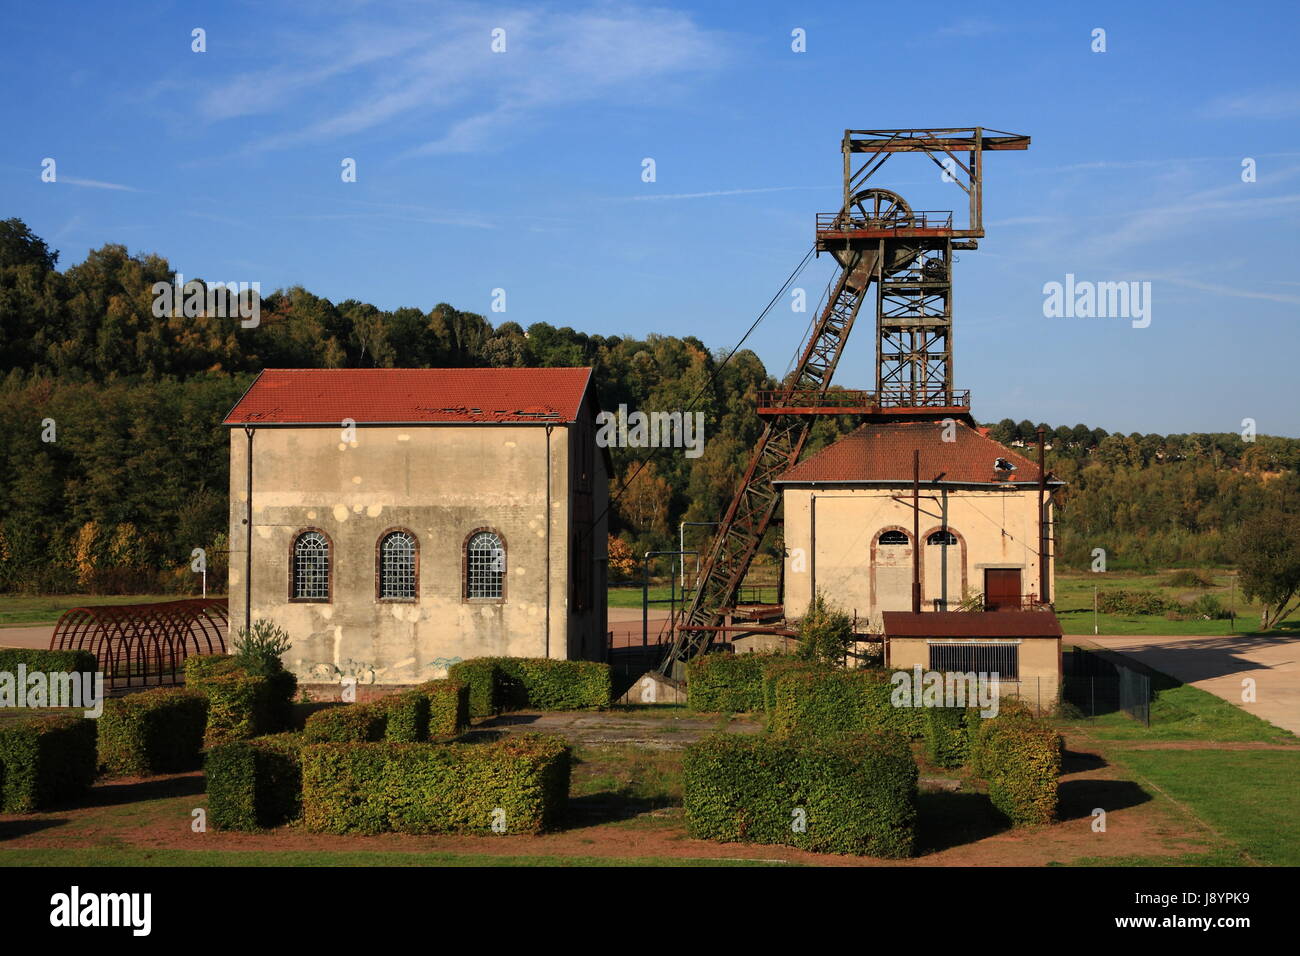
153,732
826,701
406,717
725,682
1021,760
515,683
241,704
348,723
448,707
46,761
946,742
255,784
47,661
853,793
774,668
520,783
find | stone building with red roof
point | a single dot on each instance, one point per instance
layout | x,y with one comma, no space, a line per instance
405,519
850,535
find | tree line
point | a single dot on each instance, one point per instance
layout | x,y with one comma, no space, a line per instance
134,474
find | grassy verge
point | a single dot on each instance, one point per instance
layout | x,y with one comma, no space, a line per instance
1182,712
23,609
1249,796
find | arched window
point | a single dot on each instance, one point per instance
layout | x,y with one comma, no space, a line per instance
399,569
894,538
485,566
943,536
311,567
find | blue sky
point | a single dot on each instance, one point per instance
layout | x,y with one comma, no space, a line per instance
522,171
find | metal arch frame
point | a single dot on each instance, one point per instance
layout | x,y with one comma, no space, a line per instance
148,641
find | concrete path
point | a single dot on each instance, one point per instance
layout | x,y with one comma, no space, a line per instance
36,635
1219,664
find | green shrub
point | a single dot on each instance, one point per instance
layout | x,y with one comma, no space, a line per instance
255,784
46,761
47,662
448,706
238,702
776,667
854,793
1121,601
725,682
241,703
1020,758
537,683
406,717
946,742
482,677
825,633
153,732
828,701
347,723
520,783
259,651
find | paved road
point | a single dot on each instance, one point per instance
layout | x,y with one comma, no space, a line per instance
1219,664
37,636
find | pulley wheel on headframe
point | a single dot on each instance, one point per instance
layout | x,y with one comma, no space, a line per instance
878,209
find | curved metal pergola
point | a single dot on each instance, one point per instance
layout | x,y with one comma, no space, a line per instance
144,643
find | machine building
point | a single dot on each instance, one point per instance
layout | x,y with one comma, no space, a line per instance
404,519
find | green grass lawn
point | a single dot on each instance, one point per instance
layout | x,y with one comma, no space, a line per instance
24,609
1074,600
1182,712
1249,796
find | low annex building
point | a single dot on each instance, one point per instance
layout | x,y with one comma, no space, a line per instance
1022,647
405,519
849,522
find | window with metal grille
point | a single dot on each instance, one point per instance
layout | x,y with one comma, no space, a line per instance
485,566
942,537
311,567
893,537
982,657
397,566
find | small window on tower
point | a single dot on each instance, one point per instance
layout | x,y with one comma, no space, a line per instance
894,538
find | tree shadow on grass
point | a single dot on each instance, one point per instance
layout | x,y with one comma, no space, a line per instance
11,829
609,806
946,819
134,790
1078,798
1076,761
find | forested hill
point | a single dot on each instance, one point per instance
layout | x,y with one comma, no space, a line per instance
135,476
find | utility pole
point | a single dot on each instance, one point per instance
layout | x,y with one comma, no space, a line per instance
916,531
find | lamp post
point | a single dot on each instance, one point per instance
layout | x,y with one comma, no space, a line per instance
681,543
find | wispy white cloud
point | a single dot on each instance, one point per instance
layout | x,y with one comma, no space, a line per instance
653,197
95,184
433,70
1220,289
1266,105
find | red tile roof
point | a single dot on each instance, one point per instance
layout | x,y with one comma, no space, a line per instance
979,624
883,453
303,396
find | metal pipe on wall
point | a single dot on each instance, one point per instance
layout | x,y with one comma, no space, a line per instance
248,530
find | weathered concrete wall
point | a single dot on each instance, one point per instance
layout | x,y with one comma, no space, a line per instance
832,541
440,482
